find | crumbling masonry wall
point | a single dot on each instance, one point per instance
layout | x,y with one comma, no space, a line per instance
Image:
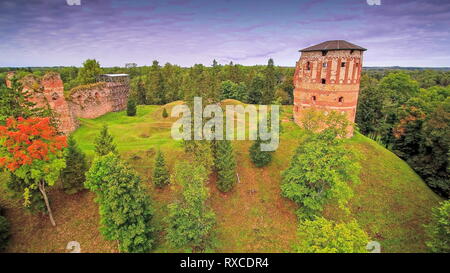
87,101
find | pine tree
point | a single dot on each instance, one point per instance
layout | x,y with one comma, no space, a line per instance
225,164
258,157
141,92
131,107
271,80
104,143
161,173
73,176
16,186
125,209
256,89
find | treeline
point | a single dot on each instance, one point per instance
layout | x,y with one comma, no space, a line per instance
157,84
409,113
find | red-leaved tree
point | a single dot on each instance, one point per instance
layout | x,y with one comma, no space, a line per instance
32,150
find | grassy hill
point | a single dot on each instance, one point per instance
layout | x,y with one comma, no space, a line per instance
391,204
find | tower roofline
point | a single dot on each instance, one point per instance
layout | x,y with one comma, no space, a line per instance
333,45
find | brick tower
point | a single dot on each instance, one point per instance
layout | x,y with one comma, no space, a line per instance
327,77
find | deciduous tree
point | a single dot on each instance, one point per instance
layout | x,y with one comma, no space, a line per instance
32,150
320,171
439,229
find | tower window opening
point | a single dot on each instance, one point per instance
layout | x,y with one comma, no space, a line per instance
308,66
341,99
324,52
343,64
324,81
324,65
314,98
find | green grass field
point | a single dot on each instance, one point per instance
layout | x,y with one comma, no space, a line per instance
391,204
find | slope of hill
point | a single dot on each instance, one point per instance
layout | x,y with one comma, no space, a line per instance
391,204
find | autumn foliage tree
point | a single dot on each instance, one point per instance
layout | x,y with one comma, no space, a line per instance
32,150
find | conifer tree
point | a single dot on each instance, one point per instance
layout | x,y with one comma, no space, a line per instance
161,173
73,176
164,113
312,179
15,102
268,94
256,89
104,143
124,206
225,164
131,107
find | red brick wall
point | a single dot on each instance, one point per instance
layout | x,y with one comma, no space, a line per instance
341,82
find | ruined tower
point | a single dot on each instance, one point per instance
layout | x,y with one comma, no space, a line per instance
327,78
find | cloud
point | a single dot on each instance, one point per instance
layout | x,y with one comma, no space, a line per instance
190,31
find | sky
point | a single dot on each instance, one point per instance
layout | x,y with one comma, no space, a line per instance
248,32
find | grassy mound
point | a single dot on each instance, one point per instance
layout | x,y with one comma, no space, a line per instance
391,204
